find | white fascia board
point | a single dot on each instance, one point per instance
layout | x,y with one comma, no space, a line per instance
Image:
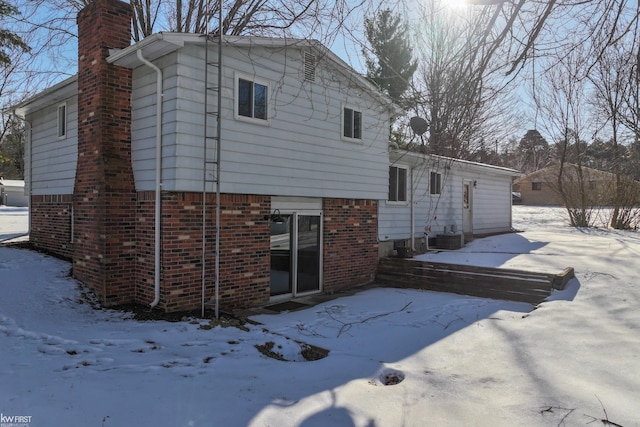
50,96
153,47
414,159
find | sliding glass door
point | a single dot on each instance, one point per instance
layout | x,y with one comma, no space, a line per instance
281,232
296,254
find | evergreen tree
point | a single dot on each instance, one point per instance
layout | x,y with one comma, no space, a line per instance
534,151
391,64
9,40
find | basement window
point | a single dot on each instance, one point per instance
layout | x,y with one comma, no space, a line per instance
62,120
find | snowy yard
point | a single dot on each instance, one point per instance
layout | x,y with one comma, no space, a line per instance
458,361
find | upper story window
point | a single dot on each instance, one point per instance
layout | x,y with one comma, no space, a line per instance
62,120
252,99
351,123
435,183
397,184
536,186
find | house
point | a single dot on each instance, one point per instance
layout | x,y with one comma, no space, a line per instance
434,199
123,178
12,192
277,186
541,188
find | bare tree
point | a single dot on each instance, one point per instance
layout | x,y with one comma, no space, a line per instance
522,25
611,83
12,151
50,25
563,104
240,17
458,89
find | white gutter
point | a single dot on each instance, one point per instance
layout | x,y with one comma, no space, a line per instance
158,183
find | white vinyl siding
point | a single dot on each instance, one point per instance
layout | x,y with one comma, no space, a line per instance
492,205
53,157
491,201
143,127
299,154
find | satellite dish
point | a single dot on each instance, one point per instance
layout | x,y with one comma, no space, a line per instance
418,125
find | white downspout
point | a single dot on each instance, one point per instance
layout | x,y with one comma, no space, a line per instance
158,183
412,214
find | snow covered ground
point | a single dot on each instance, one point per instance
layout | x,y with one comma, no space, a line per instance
463,361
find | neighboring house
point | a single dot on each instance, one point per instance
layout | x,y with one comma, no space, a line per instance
541,188
12,193
431,196
303,165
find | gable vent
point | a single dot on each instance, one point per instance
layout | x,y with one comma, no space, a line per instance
310,63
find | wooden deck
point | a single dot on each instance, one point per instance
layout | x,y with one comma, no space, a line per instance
496,283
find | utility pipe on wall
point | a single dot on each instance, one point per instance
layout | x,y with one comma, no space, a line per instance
412,213
158,182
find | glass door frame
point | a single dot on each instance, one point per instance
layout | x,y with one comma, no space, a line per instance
293,274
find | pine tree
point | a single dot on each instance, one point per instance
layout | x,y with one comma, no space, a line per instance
391,66
534,151
7,38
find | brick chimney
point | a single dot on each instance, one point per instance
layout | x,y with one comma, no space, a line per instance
104,197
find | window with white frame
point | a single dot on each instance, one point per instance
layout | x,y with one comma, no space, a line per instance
252,98
62,120
397,184
351,123
435,183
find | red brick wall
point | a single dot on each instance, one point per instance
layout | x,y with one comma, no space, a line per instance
244,251
145,247
51,224
104,195
245,262
350,242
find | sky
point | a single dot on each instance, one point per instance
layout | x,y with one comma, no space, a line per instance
573,360
60,63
